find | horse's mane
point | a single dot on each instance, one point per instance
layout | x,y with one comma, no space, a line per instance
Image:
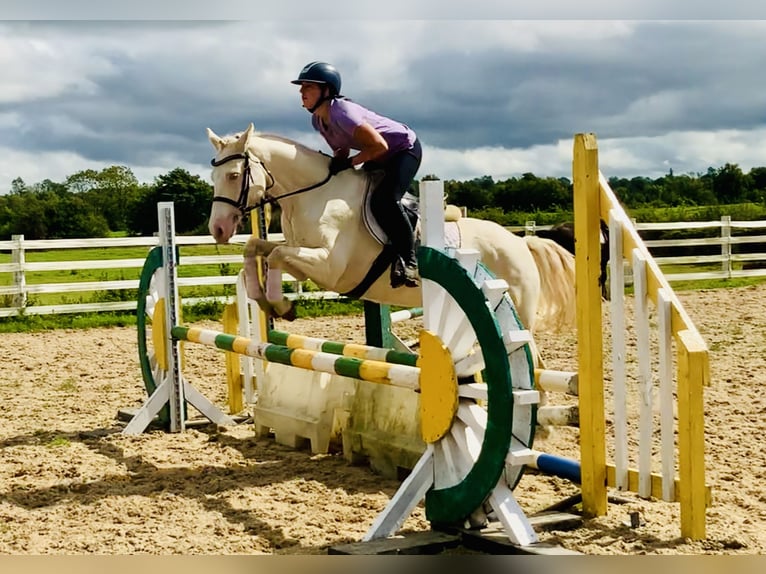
231,138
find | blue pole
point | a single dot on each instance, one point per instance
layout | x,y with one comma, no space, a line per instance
559,466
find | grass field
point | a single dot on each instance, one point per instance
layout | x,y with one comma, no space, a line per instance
65,274
68,275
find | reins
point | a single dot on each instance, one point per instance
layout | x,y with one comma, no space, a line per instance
247,177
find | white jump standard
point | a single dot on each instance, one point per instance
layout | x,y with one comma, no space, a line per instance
162,372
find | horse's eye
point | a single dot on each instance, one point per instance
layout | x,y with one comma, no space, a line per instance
232,175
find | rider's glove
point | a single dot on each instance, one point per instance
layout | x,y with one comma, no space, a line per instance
339,163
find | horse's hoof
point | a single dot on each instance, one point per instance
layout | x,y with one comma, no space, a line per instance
290,315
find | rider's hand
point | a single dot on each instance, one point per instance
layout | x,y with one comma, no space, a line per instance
339,163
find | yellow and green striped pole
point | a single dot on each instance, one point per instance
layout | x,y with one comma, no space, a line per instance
374,371
365,352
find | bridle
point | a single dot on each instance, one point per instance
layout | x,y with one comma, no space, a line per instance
247,178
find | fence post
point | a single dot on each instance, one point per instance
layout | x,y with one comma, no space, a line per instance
590,361
726,245
19,278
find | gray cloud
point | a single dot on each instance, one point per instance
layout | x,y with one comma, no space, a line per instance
142,93
394,9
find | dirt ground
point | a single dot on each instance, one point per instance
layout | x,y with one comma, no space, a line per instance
70,483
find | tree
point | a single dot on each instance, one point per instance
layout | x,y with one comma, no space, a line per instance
18,186
48,211
191,202
730,185
531,193
758,182
112,192
686,190
473,194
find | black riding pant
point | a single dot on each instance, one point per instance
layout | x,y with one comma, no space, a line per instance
400,170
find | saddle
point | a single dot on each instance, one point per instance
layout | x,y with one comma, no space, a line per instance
411,205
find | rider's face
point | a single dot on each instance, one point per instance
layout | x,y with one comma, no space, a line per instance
310,94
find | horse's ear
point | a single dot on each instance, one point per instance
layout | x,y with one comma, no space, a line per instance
215,140
245,137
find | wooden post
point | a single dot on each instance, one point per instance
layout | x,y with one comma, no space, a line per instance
692,374
234,381
589,338
726,245
19,278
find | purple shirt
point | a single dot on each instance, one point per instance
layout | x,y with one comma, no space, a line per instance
346,116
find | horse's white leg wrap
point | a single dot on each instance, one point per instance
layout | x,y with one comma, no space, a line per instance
254,290
274,285
253,284
274,296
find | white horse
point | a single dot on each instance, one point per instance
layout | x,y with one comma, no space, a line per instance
327,241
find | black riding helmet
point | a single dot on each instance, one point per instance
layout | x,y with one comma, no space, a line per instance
320,73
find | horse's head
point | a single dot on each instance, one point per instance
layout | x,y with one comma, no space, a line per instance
240,182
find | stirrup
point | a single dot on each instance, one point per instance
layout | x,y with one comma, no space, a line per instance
411,278
404,274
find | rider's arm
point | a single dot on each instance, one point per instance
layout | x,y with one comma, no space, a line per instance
371,144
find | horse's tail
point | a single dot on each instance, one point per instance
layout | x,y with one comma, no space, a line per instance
556,311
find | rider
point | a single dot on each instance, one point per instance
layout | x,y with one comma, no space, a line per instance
382,143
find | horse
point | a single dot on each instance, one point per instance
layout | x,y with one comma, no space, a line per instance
563,234
327,241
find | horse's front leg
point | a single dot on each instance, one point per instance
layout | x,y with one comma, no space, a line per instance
255,249
256,246
254,284
301,263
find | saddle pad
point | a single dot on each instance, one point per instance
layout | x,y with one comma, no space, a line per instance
451,229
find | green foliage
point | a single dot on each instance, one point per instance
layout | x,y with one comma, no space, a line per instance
93,203
112,193
49,211
189,193
328,307
737,212
209,310
202,310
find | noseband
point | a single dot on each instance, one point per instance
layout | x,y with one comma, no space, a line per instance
247,178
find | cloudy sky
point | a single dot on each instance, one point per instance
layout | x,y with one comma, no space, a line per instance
497,96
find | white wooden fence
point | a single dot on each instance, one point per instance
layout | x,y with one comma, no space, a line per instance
730,235
16,288
15,293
